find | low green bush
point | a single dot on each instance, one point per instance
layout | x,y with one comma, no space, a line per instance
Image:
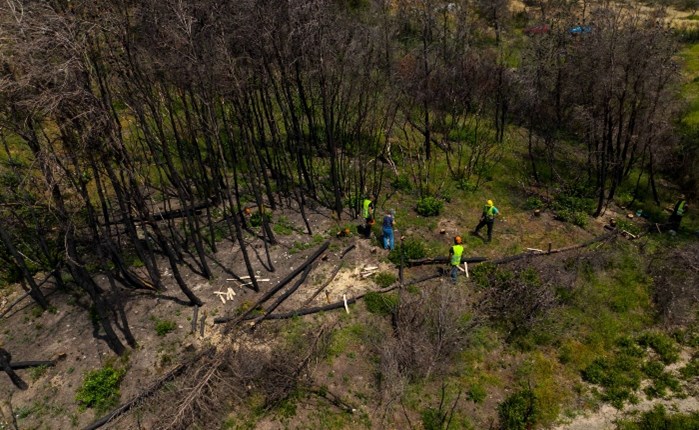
533,203
385,279
401,183
381,304
100,389
163,327
658,418
662,344
410,249
429,206
256,219
519,411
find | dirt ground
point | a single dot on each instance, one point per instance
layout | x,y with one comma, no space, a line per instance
66,334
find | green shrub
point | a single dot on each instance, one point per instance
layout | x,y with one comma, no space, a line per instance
657,418
519,411
411,249
385,279
100,389
381,304
476,393
401,183
433,419
163,327
256,219
573,208
618,376
533,203
429,206
662,344
691,370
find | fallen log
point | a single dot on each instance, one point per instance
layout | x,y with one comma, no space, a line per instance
443,260
125,407
592,241
348,249
275,289
5,359
284,296
341,303
28,364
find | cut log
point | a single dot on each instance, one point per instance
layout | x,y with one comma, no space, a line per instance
341,303
29,364
275,289
284,296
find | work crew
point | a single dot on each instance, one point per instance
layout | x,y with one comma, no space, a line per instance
677,213
455,253
368,214
388,223
488,218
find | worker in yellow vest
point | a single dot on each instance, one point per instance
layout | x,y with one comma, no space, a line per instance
455,254
368,214
677,213
488,218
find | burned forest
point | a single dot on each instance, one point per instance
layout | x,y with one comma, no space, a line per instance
338,214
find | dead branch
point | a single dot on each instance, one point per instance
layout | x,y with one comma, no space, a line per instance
125,407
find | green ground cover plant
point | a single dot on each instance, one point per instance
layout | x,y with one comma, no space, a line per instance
100,389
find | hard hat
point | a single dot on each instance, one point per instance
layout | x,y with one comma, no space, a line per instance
490,203
457,239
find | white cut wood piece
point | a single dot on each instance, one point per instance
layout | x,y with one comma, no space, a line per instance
466,268
344,298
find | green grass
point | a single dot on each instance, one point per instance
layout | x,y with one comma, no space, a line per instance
163,326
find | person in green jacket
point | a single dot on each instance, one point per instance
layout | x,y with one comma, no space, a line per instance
368,214
455,255
488,218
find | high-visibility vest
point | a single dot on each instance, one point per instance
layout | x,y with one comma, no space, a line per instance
680,208
366,205
489,212
456,252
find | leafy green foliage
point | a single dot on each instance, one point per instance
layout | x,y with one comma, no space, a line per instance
476,393
662,344
429,206
572,208
385,279
410,248
401,183
163,327
519,411
381,304
256,219
658,418
619,376
533,203
100,389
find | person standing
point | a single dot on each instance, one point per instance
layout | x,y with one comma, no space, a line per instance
677,213
488,218
368,214
455,257
388,223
